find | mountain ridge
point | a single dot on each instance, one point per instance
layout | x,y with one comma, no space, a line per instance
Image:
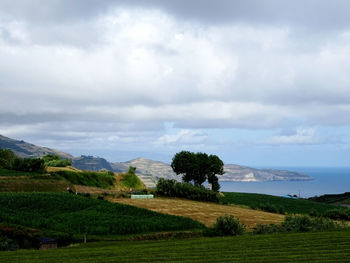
151,170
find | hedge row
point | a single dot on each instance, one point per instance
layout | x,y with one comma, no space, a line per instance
173,188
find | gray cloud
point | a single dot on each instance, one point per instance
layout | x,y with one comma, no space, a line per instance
321,14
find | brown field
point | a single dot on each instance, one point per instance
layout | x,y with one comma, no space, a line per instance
201,211
32,185
56,169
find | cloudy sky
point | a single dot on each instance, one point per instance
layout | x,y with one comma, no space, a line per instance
257,82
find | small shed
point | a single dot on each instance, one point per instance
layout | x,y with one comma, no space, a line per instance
46,243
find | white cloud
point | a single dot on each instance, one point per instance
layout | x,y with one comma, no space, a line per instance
183,137
301,136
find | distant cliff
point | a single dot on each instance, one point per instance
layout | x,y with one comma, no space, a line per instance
155,170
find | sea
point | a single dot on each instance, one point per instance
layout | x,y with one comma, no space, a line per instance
326,180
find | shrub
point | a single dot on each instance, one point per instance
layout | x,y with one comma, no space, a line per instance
268,229
7,158
173,188
228,226
338,214
29,165
56,161
7,244
294,223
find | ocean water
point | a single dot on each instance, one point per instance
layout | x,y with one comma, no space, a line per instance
326,181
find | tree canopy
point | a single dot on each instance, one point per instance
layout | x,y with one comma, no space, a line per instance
198,167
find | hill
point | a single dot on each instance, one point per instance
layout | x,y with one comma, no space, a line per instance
28,150
91,163
148,170
154,170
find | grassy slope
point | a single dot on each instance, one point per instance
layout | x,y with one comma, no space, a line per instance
289,205
69,213
58,179
293,247
202,211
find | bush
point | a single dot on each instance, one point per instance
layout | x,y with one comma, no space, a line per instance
56,161
173,188
268,229
29,165
228,226
338,214
298,224
7,244
7,158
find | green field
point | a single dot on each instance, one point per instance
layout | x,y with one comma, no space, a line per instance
10,173
294,206
69,213
293,247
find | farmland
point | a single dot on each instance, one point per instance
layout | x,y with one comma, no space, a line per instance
294,206
202,211
292,247
68,213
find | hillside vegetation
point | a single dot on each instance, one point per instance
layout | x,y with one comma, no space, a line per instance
295,247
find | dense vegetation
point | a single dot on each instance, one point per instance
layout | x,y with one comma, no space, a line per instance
300,223
8,160
56,161
198,167
173,188
69,213
290,247
332,198
279,204
131,180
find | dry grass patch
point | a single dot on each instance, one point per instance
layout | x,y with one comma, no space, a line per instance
201,211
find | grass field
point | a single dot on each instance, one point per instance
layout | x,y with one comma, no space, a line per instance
292,247
201,211
295,206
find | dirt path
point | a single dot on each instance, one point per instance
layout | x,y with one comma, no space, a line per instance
201,211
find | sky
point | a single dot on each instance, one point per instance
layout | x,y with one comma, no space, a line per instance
263,83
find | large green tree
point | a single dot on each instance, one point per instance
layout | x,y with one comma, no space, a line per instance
198,167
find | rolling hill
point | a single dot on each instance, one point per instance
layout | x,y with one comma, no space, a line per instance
28,150
148,170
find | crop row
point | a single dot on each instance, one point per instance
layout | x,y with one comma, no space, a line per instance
292,247
262,201
73,214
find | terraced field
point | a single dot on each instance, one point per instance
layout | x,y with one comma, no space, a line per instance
293,247
206,213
